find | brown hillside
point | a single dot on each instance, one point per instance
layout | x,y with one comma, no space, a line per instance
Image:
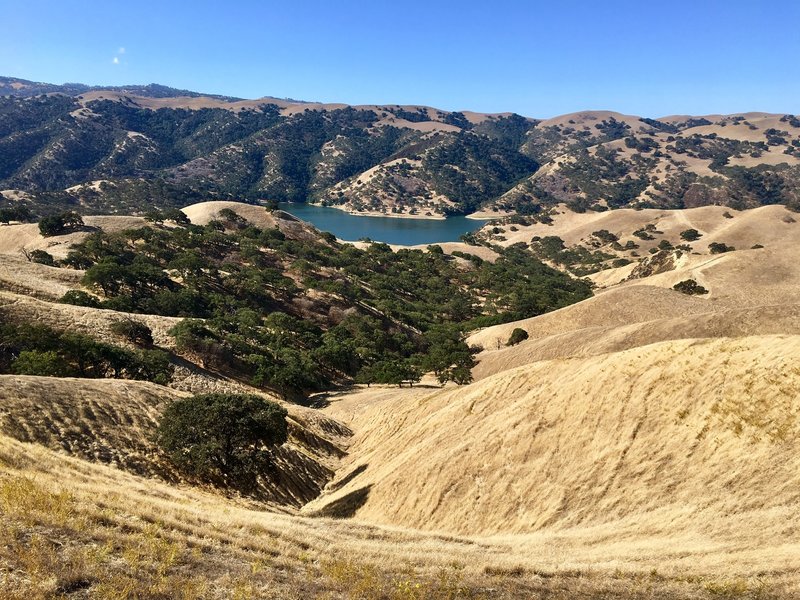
767,225
69,524
13,238
203,212
113,422
750,292
684,448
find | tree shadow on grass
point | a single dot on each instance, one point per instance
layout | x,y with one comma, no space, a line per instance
337,485
346,506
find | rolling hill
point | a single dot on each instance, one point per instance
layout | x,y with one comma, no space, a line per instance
125,150
639,444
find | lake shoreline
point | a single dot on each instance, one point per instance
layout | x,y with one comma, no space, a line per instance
373,213
346,225
480,215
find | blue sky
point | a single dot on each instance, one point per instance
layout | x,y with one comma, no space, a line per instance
536,58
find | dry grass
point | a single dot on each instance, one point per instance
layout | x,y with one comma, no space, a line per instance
765,225
677,455
73,529
114,422
752,291
203,212
19,276
607,456
15,237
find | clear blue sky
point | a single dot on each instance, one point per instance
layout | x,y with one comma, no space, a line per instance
536,58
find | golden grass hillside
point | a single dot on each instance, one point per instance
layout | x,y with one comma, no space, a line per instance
73,529
203,212
679,454
114,421
767,225
15,238
751,291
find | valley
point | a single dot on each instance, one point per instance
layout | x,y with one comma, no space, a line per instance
399,301
638,444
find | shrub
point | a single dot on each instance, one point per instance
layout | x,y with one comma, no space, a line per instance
151,365
230,216
690,235
36,362
42,257
517,336
605,236
328,237
134,331
287,371
222,438
690,287
448,355
60,223
29,349
393,372
719,248
17,213
80,298
192,336
177,216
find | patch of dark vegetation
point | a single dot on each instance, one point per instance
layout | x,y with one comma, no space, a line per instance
60,224
298,315
29,349
690,287
133,331
517,336
224,439
719,248
690,235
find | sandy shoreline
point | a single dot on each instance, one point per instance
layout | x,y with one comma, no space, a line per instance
481,215
374,213
487,215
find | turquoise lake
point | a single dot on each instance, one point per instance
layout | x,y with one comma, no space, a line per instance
407,232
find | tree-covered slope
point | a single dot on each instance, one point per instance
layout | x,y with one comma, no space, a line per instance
272,302
107,150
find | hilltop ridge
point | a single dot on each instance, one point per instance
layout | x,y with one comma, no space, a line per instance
108,149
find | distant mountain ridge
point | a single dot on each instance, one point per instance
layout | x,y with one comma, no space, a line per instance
123,149
22,88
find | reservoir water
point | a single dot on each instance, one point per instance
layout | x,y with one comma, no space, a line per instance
391,230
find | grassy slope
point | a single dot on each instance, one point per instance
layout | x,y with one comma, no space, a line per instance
73,529
635,470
